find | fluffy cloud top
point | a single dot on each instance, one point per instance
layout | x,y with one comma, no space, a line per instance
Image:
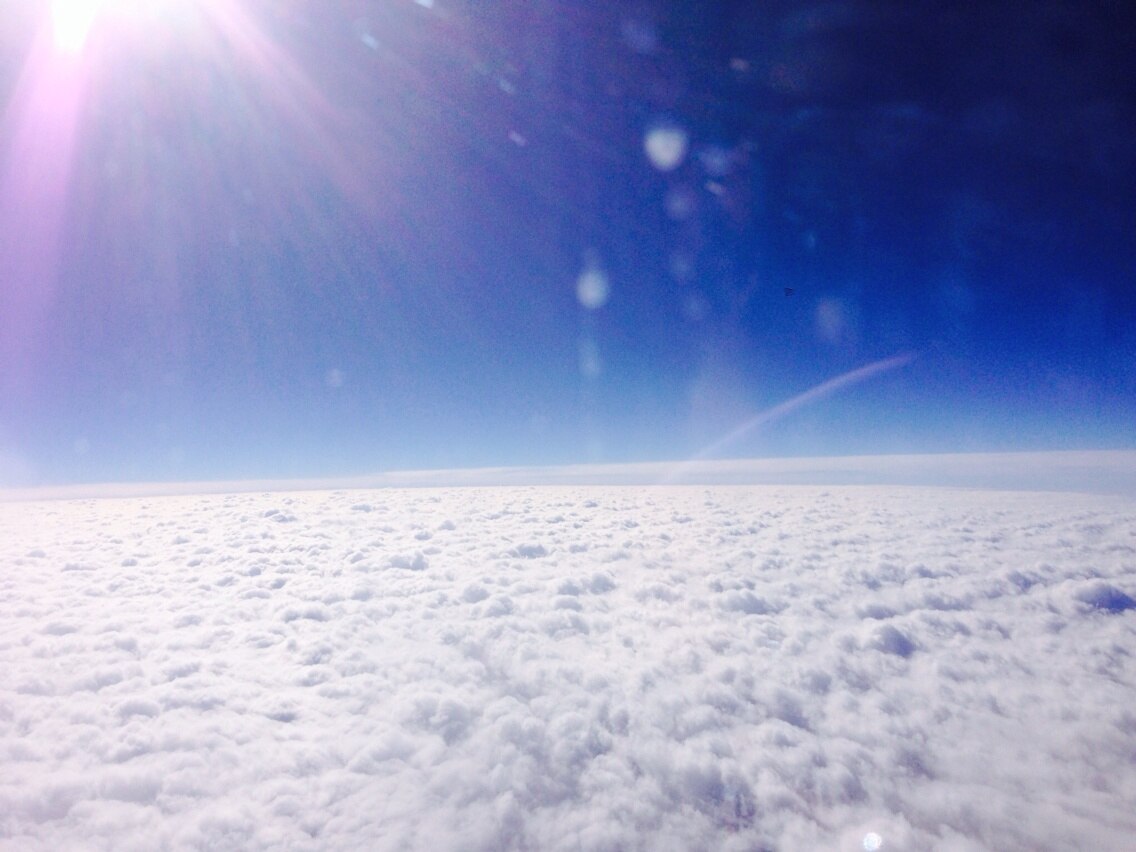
594,668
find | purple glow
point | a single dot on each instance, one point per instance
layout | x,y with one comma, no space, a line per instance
42,123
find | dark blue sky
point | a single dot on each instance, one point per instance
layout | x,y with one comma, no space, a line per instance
319,238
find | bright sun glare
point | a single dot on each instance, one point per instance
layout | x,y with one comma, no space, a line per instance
72,21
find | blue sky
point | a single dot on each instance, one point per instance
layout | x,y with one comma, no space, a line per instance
240,240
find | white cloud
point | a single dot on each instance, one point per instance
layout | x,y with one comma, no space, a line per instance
574,667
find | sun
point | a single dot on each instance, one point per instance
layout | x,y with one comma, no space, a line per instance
72,21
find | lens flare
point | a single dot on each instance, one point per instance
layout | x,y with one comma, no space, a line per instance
665,144
813,394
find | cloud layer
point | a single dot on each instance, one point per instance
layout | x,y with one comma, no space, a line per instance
596,668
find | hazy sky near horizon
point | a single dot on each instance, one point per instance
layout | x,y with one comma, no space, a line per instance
239,239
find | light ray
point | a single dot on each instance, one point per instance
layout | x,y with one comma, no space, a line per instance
38,135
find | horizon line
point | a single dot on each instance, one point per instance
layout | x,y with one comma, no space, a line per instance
1094,471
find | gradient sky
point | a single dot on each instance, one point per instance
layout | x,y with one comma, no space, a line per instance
246,238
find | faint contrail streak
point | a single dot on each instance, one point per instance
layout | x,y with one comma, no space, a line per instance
822,390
